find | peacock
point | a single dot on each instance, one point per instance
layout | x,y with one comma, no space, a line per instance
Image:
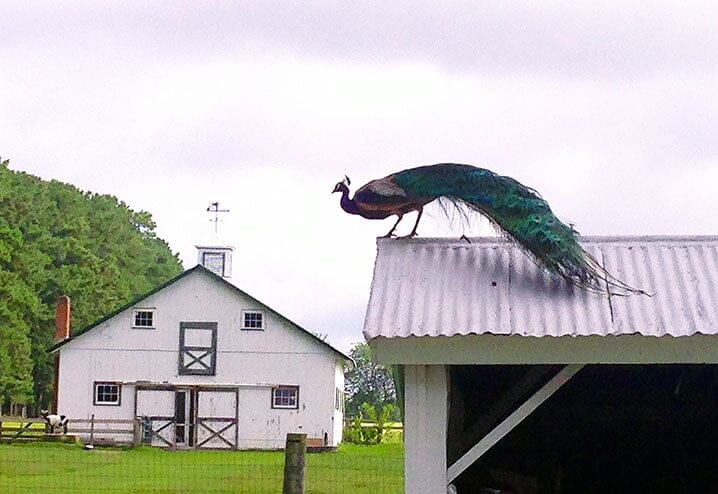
518,211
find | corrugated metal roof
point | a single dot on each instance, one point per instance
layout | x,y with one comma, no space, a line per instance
445,287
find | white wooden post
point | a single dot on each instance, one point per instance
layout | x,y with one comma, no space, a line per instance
425,417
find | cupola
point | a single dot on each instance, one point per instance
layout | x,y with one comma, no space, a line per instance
213,253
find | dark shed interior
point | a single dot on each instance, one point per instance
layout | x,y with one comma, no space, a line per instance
611,428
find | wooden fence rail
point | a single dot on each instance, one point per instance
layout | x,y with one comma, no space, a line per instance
13,428
396,426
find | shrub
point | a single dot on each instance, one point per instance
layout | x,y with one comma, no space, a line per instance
357,434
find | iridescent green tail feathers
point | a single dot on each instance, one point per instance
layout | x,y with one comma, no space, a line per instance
521,214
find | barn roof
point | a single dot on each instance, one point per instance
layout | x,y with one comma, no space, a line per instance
207,272
445,287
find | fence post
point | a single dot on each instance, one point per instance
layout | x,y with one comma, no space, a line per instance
92,430
294,464
137,432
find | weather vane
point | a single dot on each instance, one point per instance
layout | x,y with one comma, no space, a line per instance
214,208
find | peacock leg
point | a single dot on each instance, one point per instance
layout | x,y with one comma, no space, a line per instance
391,232
413,232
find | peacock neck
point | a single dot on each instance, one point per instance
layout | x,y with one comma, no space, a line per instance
348,205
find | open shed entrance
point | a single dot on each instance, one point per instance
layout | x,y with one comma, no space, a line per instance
609,428
198,417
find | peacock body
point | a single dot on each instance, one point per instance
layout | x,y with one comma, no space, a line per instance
518,211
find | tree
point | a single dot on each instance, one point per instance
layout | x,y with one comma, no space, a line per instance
56,239
368,382
18,305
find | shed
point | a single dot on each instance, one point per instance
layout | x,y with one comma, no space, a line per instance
516,381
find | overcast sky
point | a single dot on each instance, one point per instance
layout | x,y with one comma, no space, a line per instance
609,110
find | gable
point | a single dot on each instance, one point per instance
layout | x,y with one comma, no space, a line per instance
197,295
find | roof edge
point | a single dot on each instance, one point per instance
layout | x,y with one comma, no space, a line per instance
56,346
498,239
491,349
275,312
107,317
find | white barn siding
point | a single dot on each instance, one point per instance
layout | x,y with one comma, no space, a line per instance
254,361
265,428
339,413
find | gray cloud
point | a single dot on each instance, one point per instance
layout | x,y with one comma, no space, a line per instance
584,39
609,111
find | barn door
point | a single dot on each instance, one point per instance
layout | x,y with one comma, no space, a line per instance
216,423
197,349
157,409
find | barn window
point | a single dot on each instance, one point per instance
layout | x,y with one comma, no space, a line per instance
214,261
285,397
144,318
252,319
197,349
107,393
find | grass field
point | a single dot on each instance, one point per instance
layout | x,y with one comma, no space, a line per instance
42,467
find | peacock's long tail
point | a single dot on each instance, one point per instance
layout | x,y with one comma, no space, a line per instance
519,212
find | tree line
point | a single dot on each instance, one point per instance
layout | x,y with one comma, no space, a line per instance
57,239
371,386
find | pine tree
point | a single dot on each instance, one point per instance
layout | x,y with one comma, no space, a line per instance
56,239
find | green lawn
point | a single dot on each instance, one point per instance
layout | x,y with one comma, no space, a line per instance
43,467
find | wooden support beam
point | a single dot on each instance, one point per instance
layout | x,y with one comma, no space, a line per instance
536,376
425,422
510,422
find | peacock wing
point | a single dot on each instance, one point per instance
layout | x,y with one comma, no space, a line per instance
383,193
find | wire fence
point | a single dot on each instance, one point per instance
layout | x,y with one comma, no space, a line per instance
36,465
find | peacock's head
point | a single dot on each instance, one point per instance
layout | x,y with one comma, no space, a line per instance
343,185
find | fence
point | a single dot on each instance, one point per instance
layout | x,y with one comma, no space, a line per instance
99,431
395,426
391,431
39,466
18,429
107,431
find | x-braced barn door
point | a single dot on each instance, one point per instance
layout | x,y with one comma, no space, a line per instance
157,409
189,417
216,424
197,349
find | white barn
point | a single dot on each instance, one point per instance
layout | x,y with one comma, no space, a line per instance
517,382
205,365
